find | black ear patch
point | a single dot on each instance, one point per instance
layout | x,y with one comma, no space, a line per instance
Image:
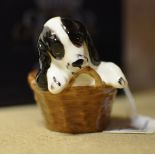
44,60
94,56
78,34
48,43
74,31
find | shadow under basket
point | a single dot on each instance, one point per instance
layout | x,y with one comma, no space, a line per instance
77,109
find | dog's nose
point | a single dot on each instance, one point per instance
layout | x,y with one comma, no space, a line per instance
78,63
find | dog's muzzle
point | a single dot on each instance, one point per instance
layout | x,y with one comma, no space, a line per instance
78,63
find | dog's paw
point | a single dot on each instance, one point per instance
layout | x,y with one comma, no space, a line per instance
57,81
112,75
122,81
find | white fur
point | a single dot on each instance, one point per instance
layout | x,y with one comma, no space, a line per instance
109,72
60,75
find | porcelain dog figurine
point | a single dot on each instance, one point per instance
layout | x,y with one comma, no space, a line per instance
65,46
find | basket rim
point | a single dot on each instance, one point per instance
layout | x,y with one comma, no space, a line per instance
33,84
89,71
36,88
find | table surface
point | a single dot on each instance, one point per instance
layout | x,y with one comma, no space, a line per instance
22,131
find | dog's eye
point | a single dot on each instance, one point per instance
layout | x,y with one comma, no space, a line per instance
77,39
57,52
74,30
55,47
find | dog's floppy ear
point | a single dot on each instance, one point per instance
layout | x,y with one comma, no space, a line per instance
94,56
75,28
44,59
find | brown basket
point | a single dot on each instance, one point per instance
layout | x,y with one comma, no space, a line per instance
78,109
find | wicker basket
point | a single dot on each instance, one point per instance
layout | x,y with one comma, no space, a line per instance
78,109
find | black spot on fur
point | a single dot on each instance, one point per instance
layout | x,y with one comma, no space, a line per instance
58,83
121,80
54,79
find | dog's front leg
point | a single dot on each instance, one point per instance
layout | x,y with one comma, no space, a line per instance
111,74
57,79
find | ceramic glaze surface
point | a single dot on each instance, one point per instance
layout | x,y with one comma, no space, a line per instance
65,47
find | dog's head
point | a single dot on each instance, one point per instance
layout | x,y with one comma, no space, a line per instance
66,43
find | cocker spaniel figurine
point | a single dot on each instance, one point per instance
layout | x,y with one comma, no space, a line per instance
65,46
